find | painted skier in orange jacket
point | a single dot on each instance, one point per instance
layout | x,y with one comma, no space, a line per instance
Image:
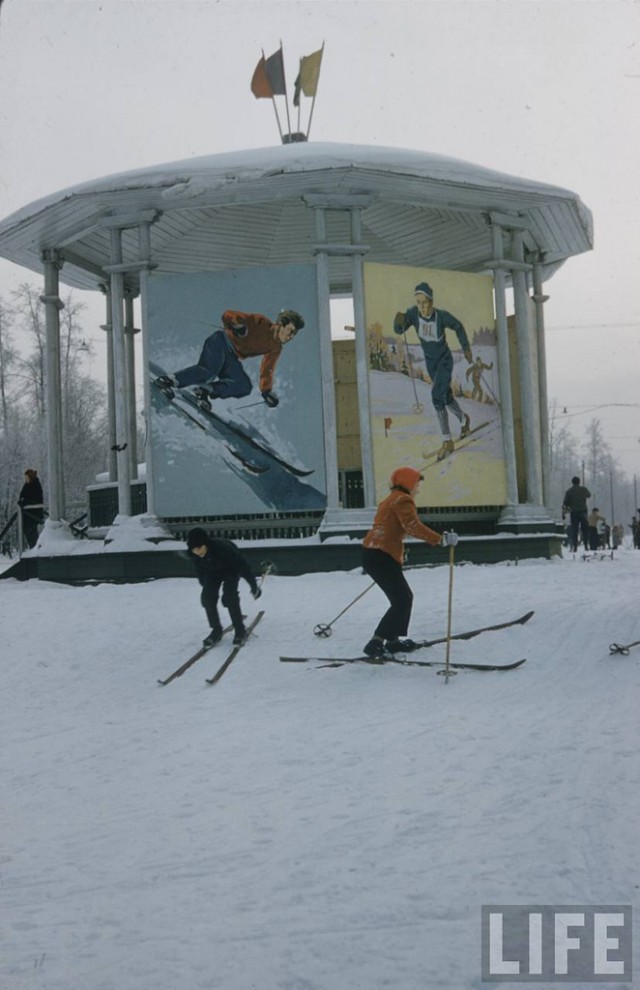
219,373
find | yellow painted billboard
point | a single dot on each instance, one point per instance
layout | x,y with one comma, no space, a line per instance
433,383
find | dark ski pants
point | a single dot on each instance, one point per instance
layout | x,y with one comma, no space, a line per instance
230,599
579,523
387,574
440,372
218,364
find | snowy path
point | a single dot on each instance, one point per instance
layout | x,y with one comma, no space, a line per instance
295,828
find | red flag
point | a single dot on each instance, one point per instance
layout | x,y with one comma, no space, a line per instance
268,78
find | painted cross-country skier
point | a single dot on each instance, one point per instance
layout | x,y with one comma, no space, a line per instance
430,325
219,373
475,373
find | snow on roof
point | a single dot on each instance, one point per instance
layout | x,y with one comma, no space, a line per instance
192,176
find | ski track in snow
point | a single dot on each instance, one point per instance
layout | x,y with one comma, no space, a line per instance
295,828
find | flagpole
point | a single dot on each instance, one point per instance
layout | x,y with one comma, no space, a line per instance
286,100
313,102
275,109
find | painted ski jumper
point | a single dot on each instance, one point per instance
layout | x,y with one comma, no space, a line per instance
430,325
243,335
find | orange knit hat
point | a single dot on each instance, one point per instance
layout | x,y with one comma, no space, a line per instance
405,477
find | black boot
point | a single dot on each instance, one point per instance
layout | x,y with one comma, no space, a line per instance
214,637
400,645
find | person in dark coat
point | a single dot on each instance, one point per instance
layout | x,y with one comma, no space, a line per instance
31,495
575,503
220,565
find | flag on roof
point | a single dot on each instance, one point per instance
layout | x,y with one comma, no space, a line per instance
307,79
268,78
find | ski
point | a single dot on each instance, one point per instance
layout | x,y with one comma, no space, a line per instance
390,658
460,444
617,649
190,662
476,632
218,674
224,428
425,643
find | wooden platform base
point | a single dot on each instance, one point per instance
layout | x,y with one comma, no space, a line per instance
288,558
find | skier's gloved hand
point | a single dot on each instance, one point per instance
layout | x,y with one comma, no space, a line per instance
399,322
256,592
449,539
468,355
271,399
238,329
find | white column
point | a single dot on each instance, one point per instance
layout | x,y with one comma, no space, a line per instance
527,371
120,376
326,364
107,326
504,368
148,450
52,384
362,363
129,333
540,299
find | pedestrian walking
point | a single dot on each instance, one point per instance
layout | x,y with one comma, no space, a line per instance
575,503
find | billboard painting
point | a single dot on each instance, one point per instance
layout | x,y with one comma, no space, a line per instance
433,383
236,422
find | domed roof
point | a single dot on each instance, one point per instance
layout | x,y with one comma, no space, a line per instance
254,207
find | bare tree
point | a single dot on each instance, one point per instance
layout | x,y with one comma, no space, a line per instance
83,399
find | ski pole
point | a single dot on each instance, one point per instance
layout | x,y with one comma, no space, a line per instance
490,391
447,670
418,407
622,650
267,568
323,629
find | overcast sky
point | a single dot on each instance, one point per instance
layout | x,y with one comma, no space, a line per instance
543,89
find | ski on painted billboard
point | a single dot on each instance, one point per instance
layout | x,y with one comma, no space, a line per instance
235,392
433,383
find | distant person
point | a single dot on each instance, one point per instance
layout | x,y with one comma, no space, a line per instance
596,523
382,557
220,565
219,373
575,503
617,535
31,505
475,373
431,325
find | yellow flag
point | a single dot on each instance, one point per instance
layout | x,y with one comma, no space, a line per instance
308,75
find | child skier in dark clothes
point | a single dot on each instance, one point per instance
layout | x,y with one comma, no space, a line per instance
219,564
382,556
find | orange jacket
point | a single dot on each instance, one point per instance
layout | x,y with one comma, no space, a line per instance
259,339
396,518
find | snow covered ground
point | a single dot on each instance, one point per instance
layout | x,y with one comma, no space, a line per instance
297,828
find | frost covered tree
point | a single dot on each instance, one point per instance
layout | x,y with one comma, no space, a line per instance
22,399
